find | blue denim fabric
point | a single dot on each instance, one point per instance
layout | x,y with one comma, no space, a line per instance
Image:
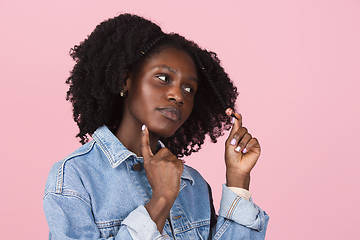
95,194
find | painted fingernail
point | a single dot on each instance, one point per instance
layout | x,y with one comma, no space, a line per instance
233,142
233,115
244,150
237,149
232,120
229,111
142,127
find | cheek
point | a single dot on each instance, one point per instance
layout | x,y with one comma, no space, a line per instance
150,94
190,107
146,97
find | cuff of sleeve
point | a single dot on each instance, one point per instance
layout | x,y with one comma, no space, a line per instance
140,225
241,211
242,192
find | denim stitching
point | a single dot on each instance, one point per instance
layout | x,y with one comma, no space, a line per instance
136,183
222,229
60,180
199,235
104,149
192,226
69,193
232,207
165,236
113,162
108,224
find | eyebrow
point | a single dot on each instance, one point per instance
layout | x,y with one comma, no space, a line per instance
174,71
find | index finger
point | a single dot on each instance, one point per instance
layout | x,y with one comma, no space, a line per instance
237,123
145,149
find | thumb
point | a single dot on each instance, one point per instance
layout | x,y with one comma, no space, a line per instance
145,149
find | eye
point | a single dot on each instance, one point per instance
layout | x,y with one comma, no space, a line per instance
163,78
188,89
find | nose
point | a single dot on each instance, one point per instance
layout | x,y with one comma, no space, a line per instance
175,95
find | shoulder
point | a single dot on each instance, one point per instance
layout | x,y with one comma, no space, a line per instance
195,177
68,168
193,172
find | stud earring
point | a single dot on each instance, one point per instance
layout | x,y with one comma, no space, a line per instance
122,93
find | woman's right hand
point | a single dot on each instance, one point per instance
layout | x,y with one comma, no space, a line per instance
163,171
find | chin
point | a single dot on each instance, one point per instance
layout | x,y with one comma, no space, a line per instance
164,132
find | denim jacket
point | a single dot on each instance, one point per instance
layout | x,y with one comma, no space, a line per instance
98,193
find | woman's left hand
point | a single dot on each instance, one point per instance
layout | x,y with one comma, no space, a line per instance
241,154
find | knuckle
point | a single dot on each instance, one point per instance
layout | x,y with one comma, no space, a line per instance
236,136
173,157
172,161
164,150
249,135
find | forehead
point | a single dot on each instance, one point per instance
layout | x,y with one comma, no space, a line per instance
169,53
171,59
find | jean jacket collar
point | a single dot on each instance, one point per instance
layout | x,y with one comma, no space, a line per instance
117,153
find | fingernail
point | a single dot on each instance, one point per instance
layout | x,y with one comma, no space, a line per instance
233,115
233,142
237,149
244,150
232,120
229,111
142,127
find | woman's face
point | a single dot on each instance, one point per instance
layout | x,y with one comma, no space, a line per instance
161,93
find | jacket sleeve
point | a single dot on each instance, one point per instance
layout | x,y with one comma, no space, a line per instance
239,218
69,216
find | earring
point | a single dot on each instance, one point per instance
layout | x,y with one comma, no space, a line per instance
122,93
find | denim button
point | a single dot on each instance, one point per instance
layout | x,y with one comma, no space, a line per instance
137,166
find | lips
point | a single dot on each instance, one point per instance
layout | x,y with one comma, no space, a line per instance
171,113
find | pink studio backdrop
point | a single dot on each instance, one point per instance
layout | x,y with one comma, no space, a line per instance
295,63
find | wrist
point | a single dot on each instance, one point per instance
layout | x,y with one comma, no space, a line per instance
159,204
158,208
237,178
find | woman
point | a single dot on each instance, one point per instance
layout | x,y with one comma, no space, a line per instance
148,98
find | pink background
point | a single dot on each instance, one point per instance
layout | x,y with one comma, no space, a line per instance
296,64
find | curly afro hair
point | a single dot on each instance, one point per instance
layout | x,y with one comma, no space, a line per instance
120,44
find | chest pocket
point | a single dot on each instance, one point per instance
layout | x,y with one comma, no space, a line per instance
108,229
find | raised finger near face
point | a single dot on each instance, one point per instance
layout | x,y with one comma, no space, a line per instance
237,123
145,143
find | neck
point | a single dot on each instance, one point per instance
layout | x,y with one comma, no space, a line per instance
129,134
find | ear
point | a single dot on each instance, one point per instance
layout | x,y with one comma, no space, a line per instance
126,81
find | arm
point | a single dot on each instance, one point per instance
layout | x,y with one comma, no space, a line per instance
69,216
70,213
239,219
242,151
163,171
237,216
